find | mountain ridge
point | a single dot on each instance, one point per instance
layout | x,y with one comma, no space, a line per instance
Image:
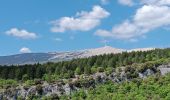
32,58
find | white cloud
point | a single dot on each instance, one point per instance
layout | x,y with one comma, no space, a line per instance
126,2
24,34
25,50
156,2
150,16
146,19
125,30
164,2
103,33
83,21
147,2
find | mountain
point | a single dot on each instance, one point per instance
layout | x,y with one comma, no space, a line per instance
100,51
31,58
141,49
27,58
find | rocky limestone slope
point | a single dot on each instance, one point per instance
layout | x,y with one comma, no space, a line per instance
67,86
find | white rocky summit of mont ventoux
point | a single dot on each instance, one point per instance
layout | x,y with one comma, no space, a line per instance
32,58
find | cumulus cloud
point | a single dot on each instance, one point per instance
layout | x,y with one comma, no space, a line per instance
126,2
103,33
83,21
147,18
156,2
25,50
147,2
24,34
150,16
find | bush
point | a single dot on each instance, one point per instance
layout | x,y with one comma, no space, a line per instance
54,97
100,69
25,77
80,94
39,89
93,69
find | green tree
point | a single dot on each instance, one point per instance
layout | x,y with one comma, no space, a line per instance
78,71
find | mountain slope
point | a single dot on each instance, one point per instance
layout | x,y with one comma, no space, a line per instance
100,51
27,58
31,58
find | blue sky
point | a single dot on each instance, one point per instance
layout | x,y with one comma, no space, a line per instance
66,25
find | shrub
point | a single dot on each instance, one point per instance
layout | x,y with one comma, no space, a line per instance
100,69
39,89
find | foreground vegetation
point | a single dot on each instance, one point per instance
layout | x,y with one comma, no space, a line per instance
151,88
155,87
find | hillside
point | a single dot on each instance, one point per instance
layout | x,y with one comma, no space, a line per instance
138,75
32,58
100,85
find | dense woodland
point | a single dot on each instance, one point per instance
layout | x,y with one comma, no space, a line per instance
68,69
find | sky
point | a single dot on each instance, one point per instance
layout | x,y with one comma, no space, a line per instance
66,25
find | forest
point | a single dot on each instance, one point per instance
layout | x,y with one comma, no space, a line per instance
68,69
15,78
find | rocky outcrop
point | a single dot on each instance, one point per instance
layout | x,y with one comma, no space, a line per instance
59,88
